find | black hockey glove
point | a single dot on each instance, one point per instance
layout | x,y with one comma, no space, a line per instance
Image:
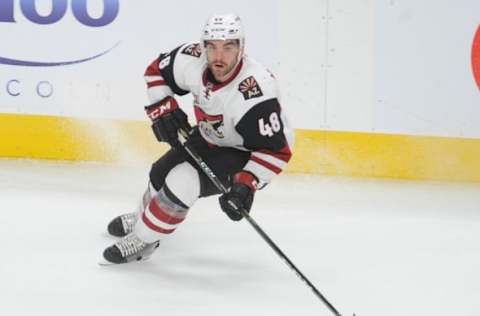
167,118
241,195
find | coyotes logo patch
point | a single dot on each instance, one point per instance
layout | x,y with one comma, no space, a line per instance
211,125
192,50
250,88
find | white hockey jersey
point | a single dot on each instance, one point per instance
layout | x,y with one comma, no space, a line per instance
243,112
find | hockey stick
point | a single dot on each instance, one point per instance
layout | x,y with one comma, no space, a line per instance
211,175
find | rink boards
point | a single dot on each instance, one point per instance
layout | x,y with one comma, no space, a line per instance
315,151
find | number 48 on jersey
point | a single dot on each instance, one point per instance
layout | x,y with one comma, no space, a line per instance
271,127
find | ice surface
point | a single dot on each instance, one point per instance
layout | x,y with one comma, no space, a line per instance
373,247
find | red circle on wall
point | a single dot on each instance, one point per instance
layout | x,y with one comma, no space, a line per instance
476,57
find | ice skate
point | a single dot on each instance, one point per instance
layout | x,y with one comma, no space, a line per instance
122,225
130,248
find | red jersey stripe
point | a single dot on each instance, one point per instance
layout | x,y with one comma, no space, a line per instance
153,69
283,154
156,83
266,164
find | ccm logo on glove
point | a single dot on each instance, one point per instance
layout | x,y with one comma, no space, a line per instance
163,107
167,118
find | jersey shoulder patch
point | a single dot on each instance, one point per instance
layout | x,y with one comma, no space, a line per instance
250,88
193,50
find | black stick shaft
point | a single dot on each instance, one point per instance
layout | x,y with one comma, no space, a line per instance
211,175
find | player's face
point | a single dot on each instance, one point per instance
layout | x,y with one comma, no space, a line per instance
222,56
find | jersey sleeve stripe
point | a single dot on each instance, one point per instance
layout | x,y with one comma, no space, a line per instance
156,83
266,164
270,159
283,154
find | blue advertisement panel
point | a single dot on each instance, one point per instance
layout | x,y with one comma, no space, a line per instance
86,58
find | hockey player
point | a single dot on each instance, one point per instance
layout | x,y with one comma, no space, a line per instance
241,133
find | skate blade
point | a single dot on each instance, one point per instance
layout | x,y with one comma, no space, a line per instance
103,262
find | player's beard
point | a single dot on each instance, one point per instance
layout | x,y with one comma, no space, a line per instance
221,70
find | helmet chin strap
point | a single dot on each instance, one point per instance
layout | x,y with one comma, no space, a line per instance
239,59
